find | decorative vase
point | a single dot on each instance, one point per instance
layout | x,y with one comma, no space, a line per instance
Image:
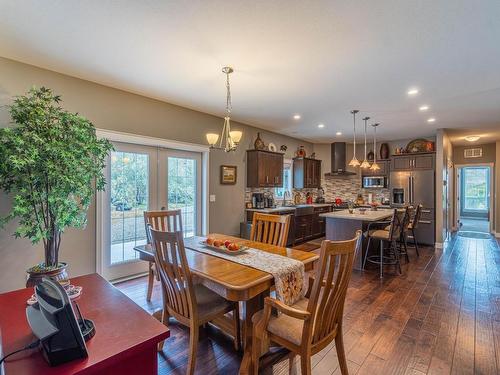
384,151
35,276
301,152
259,143
370,155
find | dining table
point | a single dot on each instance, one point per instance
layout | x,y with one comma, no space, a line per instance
234,281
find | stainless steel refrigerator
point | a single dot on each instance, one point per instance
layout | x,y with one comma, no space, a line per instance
413,188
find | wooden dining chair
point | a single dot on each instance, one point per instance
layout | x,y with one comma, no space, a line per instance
192,305
166,221
414,225
313,322
270,229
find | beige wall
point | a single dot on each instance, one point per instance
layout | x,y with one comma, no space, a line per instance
118,110
490,151
444,185
497,190
489,154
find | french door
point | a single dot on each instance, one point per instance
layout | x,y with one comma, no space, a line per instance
142,178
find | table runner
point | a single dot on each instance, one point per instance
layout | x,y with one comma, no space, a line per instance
289,274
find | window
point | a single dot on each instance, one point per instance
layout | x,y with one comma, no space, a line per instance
475,188
287,179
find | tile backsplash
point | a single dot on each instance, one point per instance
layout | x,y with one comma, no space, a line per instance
348,188
345,188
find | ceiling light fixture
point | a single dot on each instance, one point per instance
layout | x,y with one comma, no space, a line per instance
365,164
230,138
296,117
423,108
472,138
354,162
375,166
338,133
321,126
432,119
412,91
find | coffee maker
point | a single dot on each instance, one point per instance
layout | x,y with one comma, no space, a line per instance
257,200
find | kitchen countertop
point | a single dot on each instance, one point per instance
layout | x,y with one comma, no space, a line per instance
369,215
288,208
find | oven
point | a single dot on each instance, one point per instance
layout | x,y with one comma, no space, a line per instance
374,182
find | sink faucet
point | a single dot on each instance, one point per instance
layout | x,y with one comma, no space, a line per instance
286,193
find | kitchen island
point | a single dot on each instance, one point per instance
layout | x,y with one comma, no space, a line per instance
342,225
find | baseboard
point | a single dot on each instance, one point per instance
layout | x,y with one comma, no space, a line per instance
496,234
438,245
127,278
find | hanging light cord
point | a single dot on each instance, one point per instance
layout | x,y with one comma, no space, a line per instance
354,119
229,105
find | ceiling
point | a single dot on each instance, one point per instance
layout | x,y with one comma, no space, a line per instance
316,58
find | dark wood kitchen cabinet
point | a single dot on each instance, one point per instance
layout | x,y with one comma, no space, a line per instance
308,227
264,168
306,173
383,171
410,162
319,223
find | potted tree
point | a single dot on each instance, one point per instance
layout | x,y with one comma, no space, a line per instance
51,162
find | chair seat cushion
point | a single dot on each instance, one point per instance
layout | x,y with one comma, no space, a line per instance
379,233
285,326
387,228
209,303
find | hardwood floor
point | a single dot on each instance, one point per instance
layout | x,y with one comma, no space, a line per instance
442,316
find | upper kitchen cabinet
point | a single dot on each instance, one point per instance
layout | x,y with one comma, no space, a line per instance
408,162
264,169
306,173
383,171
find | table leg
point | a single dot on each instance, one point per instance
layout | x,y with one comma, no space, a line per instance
250,307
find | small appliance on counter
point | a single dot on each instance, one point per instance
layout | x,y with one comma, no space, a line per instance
297,197
321,195
309,198
268,200
258,200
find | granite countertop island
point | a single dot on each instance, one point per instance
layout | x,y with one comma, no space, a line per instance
368,215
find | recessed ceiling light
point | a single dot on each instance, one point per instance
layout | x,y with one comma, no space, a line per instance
296,117
472,138
424,108
412,91
338,133
321,126
432,119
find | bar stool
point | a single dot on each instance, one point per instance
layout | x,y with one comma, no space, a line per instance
405,228
388,255
414,225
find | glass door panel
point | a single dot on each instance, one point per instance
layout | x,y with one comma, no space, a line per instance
180,187
131,173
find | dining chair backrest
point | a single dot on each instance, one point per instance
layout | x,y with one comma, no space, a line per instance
164,220
417,216
407,217
327,297
395,227
270,229
172,266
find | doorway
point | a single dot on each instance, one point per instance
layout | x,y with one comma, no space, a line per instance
474,203
142,178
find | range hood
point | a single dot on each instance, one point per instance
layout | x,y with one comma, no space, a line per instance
339,160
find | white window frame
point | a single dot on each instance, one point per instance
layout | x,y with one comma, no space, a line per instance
286,163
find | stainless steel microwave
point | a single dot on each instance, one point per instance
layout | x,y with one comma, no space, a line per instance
374,182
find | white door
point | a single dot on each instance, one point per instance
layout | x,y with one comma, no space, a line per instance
142,178
179,187
131,173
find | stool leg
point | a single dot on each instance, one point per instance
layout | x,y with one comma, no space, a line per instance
381,259
396,253
415,241
406,248
366,251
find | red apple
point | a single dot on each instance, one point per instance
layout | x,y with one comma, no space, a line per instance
227,243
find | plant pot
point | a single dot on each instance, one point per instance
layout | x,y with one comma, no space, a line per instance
35,276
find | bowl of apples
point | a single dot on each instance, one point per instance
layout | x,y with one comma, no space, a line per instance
224,246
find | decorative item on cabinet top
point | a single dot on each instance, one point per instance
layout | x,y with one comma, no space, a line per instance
259,143
420,145
301,152
384,151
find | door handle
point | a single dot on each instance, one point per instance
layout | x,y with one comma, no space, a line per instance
425,222
267,179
